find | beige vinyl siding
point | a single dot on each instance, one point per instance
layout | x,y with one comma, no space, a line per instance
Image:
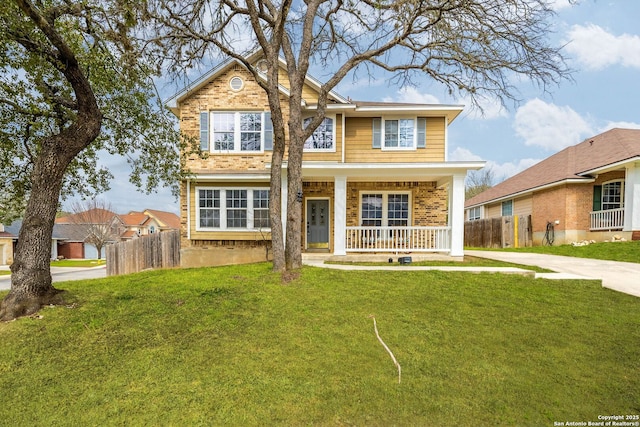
523,206
358,137
493,211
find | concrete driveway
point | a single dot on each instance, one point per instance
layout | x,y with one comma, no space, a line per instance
62,274
619,276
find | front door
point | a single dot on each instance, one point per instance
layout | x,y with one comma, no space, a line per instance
318,224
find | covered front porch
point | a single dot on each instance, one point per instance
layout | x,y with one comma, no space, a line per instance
382,208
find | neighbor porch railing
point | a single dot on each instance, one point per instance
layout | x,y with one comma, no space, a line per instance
611,219
398,239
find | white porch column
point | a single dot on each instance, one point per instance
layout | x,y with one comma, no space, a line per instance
456,214
283,202
632,198
339,215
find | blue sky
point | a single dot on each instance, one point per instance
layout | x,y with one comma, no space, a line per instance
602,46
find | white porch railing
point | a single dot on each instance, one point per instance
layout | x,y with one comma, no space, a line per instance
611,219
398,239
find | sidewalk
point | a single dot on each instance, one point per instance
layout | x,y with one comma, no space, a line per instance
619,276
61,274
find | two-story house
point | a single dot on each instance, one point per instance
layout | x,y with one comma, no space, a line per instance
375,175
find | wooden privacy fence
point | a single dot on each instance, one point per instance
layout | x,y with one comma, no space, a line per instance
503,232
158,250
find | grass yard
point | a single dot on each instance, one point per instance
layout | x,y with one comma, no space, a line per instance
78,263
468,261
233,346
613,251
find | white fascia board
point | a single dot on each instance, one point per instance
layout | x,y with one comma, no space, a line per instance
386,170
607,168
532,190
240,177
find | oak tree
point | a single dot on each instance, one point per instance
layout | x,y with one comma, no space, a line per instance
74,85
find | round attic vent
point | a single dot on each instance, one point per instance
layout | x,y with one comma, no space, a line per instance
236,83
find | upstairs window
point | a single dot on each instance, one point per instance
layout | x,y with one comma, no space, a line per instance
322,138
236,132
399,133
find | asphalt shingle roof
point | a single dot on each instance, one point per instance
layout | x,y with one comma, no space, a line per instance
575,162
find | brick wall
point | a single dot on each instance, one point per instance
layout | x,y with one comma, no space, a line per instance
429,202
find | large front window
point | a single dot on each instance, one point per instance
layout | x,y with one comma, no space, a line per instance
385,209
232,208
236,131
612,195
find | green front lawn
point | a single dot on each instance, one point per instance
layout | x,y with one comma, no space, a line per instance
613,251
234,346
78,263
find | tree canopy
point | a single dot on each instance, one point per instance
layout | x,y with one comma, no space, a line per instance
37,100
75,83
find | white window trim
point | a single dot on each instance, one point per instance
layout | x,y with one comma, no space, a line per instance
414,146
385,205
223,209
324,150
480,213
236,132
602,202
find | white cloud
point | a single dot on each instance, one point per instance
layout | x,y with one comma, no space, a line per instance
487,109
412,95
595,48
463,155
623,125
560,4
501,171
550,126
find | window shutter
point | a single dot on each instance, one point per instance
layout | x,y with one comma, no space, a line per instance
422,132
268,131
597,197
377,132
204,130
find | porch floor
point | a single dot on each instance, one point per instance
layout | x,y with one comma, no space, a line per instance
376,257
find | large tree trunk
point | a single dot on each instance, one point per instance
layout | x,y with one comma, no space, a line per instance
30,272
275,211
293,245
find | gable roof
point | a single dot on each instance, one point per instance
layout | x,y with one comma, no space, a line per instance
165,219
96,214
173,102
134,218
578,163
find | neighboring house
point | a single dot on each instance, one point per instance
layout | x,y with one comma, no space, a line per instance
9,239
75,230
590,191
70,233
149,221
375,175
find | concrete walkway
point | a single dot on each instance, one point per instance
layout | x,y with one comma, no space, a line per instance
619,276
